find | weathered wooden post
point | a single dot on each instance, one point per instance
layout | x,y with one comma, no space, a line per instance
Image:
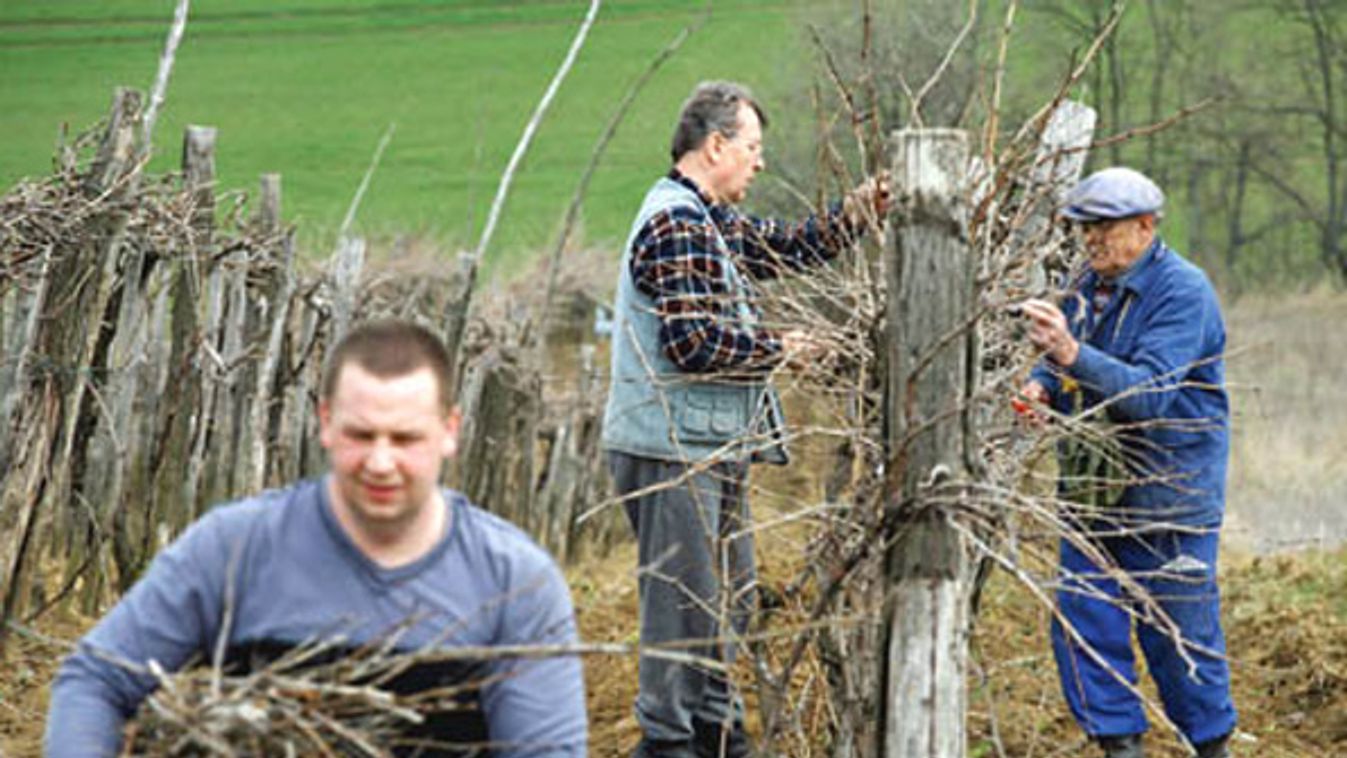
347,266
930,291
275,309
47,459
184,435
501,404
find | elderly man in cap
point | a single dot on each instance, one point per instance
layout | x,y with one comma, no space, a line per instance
1135,351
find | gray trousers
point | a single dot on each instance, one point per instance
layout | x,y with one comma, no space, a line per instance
696,573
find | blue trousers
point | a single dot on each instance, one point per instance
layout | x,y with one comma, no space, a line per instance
1178,571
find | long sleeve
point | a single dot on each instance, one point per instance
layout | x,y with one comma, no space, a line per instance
693,261
169,616
768,247
1173,341
680,262
536,707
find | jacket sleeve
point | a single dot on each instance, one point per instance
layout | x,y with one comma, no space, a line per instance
168,617
536,706
1175,337
1043,372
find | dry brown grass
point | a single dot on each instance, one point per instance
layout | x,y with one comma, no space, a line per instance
1288,466
1286,615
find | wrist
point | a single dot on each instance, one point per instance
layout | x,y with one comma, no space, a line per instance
1066,355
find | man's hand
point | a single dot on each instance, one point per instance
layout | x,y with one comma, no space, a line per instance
1049,332
870,196
800,350
1032,395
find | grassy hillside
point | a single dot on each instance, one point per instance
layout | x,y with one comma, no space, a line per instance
306,88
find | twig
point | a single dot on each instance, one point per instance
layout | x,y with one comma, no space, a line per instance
916,120
530,129
161,78
364,183
577,199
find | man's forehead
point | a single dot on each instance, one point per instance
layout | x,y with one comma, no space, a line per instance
354,379
748,120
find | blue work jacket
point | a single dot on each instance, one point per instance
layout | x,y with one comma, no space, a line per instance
1154,360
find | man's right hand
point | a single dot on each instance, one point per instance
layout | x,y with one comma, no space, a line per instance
800,350
1032,399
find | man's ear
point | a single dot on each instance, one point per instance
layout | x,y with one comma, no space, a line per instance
715,147
326,433
453,424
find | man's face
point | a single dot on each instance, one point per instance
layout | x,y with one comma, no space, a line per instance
1115,244
386,440
739,157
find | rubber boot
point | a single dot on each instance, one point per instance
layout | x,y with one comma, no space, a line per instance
1121,746
714,741
1217,748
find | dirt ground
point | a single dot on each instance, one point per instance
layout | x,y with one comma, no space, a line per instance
1286,619
1285,613
1286,622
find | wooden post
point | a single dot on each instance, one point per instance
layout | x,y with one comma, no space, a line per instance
48,455
930,292
501,404
347,266
233,401
299,428
1058,165
179,476
23,335
268,392
455,316
196,304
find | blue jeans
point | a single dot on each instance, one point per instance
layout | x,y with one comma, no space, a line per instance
1178,571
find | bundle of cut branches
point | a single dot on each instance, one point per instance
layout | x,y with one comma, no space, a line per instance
309,702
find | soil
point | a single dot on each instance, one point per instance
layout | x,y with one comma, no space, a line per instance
1285,618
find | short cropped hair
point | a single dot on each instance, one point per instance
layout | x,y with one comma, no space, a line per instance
712,107
391,348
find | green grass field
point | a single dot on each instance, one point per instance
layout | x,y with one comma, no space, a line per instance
307,87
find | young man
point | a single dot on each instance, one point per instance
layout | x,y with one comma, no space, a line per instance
689,405
373,549
1138,346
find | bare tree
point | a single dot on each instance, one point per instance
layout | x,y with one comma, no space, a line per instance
1319,111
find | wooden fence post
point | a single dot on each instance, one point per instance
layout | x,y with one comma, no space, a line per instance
185,432
930,293
48,457
501,405
274,317
347,267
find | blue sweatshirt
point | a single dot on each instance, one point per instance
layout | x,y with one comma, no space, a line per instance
1155,357
295,576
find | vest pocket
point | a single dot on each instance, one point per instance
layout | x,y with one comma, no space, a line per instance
707,415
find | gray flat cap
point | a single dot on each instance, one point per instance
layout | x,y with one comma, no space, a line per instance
1113,193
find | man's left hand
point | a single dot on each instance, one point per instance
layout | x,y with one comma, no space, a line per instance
1050,333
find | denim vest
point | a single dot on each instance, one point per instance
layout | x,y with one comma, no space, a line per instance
655,409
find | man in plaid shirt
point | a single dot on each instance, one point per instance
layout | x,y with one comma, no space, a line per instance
689,404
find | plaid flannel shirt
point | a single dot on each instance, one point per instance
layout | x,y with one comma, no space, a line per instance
678,261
